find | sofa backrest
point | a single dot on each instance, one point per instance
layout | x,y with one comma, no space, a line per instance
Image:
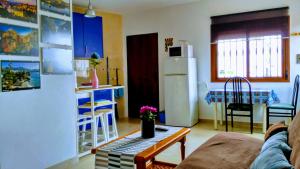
294,141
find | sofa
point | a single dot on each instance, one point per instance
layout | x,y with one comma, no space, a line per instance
238,151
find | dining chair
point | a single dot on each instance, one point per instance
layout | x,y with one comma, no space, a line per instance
236,102
290,108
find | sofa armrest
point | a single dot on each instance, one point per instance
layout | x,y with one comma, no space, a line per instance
275,128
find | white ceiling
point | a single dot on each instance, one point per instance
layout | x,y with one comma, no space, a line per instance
128,6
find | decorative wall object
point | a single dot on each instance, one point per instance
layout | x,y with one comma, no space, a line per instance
18,40
20,75
298,58
23,10
82,68
57,61
295,34
57,6
168,42
56,31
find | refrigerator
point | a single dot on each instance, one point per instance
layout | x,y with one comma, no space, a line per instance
181,93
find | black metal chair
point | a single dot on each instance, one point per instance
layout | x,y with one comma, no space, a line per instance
290,108
238,103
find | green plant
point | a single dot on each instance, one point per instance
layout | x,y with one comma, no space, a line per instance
95,59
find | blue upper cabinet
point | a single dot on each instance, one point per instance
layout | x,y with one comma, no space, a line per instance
93,35
88,36
79,50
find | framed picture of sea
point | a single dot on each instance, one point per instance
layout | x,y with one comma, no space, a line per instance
23,10
57,61
20,75
56,31
18,40
56,6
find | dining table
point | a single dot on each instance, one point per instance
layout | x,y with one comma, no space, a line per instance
262,97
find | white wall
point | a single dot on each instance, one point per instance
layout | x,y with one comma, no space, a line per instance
192,22
38,127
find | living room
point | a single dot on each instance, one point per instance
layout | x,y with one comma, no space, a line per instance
93,71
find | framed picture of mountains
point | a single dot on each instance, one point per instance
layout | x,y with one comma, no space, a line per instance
56,6
23,10
56,31
20,75
57,61
18,40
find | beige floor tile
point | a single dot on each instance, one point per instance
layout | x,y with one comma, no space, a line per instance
199,134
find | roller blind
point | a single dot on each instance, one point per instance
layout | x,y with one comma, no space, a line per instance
250,24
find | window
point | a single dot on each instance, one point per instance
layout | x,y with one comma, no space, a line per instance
254,45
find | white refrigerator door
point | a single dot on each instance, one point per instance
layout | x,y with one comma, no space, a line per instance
177,101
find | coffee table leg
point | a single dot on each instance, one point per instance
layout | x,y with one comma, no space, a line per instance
141,165
182,147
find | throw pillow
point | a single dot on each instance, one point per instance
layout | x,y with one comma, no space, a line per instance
271,158
274,153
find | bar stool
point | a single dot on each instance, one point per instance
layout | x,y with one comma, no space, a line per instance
84,136
98,127
111,129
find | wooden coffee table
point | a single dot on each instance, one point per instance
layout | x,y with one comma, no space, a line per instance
146,158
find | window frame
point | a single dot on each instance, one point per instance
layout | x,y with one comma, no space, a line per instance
285,55
285,65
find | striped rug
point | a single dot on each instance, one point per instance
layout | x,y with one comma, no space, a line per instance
120,154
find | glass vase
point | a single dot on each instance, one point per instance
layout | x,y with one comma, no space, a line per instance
148,128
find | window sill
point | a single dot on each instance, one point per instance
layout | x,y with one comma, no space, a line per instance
256,80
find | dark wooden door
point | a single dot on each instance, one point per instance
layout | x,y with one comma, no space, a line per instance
143,83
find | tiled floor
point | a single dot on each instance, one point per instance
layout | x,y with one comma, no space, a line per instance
200,133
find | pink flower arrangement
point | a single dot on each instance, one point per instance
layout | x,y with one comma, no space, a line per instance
148,113
148,109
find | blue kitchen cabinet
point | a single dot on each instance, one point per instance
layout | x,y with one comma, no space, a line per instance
88,36
93,35
79,49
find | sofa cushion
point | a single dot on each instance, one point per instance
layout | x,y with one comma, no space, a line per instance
224,151
294,140
274,153
295,155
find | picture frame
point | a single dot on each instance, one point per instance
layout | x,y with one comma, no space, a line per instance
20,75
55,31
18,40
61,7
22,10
57,61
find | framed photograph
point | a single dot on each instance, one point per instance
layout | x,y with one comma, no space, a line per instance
57,61
20,75
56,31
23,10
56,6
18,40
